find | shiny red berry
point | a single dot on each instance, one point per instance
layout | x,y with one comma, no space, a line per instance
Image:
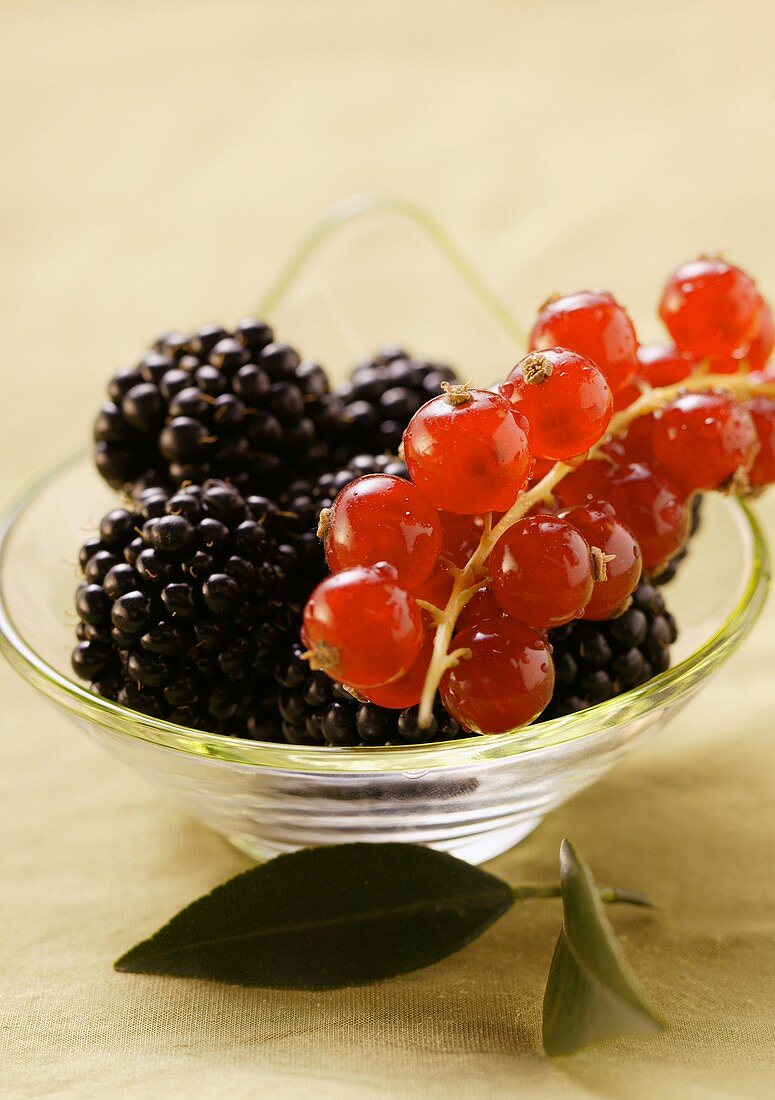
625,397
481,606
762,412
407,689
361,627
436,589
710,307
505,683
663,364
466,453
595,325
703,439
541,467
460,536
380,517
618,560
752,356
762,344
542,571
654,509
636,445
565,398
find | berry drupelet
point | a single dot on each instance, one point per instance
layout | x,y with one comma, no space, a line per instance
383,394
316,711
595,661
234,405
186,601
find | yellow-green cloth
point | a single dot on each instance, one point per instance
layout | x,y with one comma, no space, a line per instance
159,161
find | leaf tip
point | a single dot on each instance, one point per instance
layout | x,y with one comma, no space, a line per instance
568,854
131,961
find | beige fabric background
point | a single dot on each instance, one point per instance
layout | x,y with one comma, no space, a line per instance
159,161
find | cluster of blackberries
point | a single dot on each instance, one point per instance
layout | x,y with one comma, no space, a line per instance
383,394
596,661
233,405
188,601
192,594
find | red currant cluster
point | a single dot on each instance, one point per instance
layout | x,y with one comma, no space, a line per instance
541,501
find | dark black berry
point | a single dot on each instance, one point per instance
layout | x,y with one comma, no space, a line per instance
190,600
236,406
91,603
596,661
90,659
131,612
383,394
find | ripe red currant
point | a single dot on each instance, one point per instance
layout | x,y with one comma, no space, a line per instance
466,453
380,517
636,445
752,356
703,439
436,589
541,467
565,398
658,365
407,689
460,536
762,344
361,627
762,412
663,364
542,571
655,510
587,483
595,325
505,683
481,606
618,564
710,307
625,397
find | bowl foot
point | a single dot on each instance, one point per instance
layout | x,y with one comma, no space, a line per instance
476,849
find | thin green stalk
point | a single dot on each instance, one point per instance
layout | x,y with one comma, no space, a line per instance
612,895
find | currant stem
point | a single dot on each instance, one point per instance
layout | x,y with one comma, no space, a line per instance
467,581
612,895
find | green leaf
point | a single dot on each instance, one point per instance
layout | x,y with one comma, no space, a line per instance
591,993
328,917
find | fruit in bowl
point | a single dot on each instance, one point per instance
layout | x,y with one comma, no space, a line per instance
486,641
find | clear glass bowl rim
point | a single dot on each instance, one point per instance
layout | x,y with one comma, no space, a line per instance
395,759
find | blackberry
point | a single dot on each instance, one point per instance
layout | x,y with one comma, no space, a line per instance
233,405
596,661
382,395
188,597
315,710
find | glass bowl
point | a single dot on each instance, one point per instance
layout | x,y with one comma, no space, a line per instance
474,797
354,282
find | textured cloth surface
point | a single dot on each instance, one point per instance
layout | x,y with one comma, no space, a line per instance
160,159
